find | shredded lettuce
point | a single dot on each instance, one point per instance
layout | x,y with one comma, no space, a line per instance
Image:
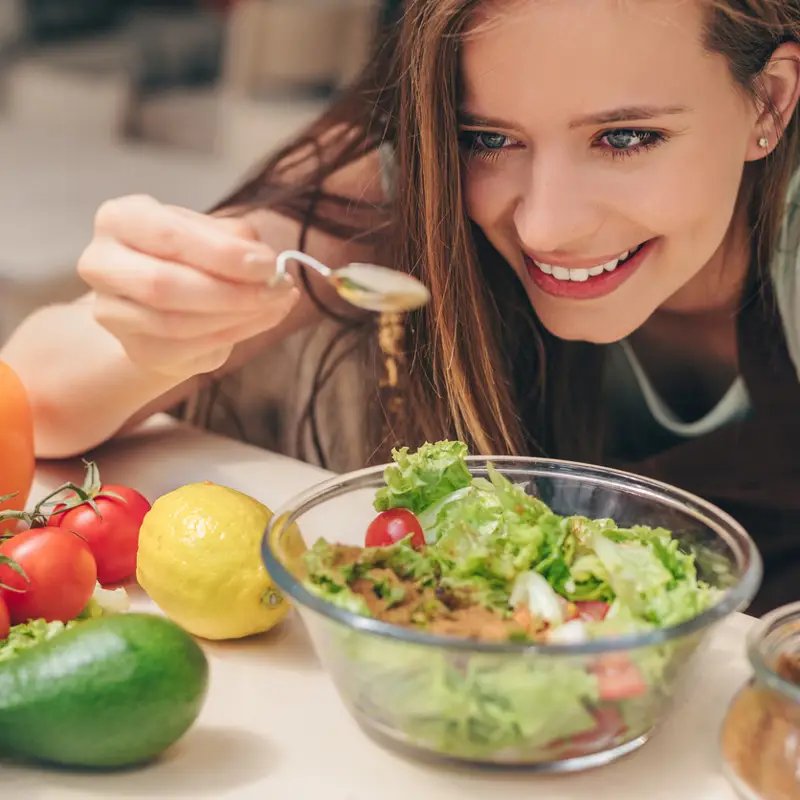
23,637
29,634
533,590
418,480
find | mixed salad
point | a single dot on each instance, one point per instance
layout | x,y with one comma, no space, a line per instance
479,558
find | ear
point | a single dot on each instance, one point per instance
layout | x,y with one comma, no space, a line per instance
779,90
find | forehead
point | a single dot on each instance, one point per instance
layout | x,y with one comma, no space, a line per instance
576,55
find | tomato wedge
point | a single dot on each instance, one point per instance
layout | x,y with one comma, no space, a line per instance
618,677
592,610
609,725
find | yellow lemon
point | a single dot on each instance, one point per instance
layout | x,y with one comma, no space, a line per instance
200,561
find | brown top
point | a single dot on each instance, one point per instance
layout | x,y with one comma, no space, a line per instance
751,468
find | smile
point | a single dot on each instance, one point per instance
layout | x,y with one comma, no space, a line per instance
587,281
580,275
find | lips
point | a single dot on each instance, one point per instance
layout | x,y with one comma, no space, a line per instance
588,282
561,273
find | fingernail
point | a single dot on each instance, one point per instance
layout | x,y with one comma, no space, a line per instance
259,257
282,281
260,261
278,284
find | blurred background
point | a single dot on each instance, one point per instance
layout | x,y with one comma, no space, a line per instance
173,98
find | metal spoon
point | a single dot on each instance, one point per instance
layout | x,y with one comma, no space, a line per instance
366,286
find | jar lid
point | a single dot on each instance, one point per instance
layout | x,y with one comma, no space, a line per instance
773,647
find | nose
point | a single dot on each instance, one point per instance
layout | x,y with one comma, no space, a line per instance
556,212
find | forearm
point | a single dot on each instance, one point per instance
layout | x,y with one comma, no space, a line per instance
82,386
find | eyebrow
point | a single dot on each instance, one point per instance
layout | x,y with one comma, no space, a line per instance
611,117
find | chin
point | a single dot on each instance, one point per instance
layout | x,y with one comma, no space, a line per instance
576,327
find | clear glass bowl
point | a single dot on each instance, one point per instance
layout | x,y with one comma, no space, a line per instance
761,732
499,704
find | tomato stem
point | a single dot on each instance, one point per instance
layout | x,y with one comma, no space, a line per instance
18,569
86,494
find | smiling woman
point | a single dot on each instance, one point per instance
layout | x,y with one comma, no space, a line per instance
620,192
600,198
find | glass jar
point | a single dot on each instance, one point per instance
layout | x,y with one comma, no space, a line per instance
760,738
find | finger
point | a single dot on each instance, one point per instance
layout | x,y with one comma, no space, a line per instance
226,248
111,268
124,317
170,354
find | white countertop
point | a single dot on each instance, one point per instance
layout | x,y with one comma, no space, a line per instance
273,726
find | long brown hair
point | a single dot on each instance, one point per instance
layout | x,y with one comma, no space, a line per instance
480,365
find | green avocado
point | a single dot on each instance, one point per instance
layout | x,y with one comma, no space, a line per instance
111,692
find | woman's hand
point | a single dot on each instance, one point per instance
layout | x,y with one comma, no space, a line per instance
180,289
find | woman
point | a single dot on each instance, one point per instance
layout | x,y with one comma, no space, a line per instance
595,195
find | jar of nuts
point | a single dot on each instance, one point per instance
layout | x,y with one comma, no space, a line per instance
761,732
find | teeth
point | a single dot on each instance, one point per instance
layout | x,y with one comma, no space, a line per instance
610,266
580,275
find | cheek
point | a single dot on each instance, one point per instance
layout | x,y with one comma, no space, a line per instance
490,191
686,192
491,194
703,181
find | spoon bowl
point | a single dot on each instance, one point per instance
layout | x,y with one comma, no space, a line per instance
366,286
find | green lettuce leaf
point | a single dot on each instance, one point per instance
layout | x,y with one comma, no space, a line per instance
418,480
22,637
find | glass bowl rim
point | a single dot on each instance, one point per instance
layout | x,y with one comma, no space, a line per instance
731,600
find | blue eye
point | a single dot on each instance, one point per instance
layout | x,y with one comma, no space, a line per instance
626,140
485,144
491,141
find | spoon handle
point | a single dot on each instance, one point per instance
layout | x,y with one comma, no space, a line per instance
297,255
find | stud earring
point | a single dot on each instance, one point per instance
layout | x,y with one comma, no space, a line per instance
763,142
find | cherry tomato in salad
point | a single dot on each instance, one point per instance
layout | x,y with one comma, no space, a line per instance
592,610
59,577
5,620
393,525
618,677
111,531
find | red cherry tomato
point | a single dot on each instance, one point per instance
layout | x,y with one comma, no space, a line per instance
5,620
113,534
392,526
592,610
61,575
618,677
